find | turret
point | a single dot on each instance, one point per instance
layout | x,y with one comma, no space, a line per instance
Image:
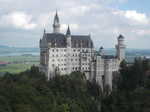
42,41
68,37
69,51
44,31
120,47
101,51
56,24
44,35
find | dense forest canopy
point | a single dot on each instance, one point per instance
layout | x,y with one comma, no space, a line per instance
29,91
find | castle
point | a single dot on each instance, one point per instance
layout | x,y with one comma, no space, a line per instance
65,53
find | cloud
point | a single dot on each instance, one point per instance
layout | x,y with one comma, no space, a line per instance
80,10
100,18
134,16
18,20
142,32
72,27
139,17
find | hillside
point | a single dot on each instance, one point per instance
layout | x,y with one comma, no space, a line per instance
15,51
9,51
29,91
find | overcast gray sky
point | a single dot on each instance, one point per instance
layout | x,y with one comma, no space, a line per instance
22,21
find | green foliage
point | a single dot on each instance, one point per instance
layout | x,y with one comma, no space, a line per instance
29,91
18,64
133,76
133,93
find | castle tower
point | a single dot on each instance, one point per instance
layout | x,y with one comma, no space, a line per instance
120,47
69,50
68,36
56,24
101,51
108,74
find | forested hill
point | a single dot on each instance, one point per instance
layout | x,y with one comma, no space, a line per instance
29,91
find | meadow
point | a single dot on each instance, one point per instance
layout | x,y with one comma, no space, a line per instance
18,63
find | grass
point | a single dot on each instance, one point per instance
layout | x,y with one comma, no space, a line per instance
15,68
18,63
19,58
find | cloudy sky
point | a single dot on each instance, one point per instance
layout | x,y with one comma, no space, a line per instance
22,21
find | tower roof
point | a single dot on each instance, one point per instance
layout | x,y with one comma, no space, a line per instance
44,30
121,37
68,31
101,47
60,39
56,18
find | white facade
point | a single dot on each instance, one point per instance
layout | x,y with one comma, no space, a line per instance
65,53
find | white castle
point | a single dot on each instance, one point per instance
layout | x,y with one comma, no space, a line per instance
65,53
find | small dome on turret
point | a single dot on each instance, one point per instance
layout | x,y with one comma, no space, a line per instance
101,47
121,37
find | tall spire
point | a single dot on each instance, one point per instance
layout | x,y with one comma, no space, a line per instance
68,31
56,25
44,30
56,18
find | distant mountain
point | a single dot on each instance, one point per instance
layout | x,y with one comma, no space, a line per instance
8,51
3,46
